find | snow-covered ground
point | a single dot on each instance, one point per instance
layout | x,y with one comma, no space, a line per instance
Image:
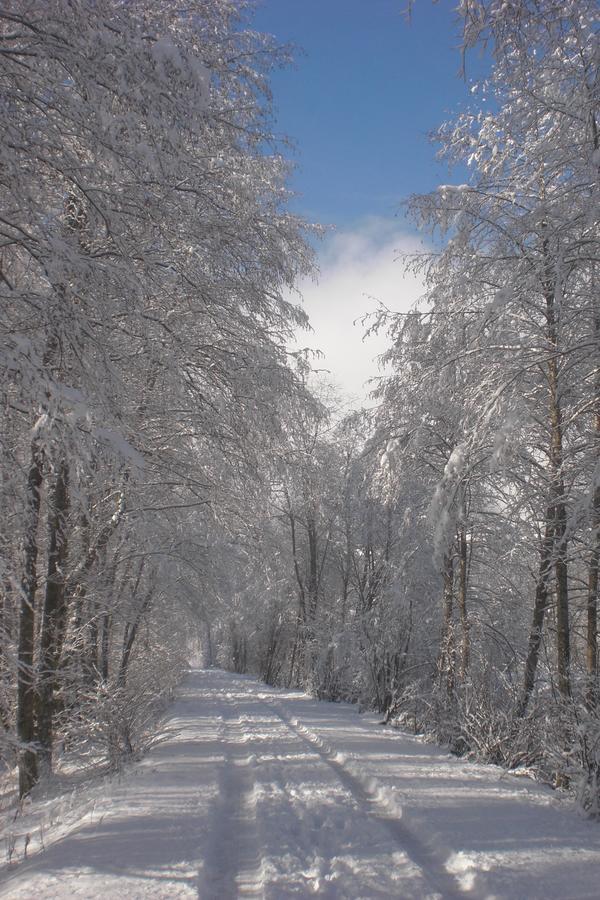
257,792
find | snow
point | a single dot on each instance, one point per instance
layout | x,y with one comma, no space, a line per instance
258,792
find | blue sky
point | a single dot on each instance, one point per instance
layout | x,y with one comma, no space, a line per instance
363,98
365,93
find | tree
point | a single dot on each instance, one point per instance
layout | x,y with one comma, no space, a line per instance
145,250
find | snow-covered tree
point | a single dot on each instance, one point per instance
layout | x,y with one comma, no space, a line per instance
145,251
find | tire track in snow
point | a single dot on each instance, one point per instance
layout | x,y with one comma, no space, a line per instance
274,750
370,795
315,847
234,862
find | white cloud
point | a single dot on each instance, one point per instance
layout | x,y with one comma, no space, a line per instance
358,268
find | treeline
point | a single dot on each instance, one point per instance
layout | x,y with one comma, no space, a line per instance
145,249
439,558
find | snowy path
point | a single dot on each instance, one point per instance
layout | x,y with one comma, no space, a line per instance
265,793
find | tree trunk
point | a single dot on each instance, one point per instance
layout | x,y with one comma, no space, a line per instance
209,645
539,611
563,650
448,650
54,619
313,568
591,642
556,474
110,597
6,605
106,626
294,651
299,579
465,649
28,769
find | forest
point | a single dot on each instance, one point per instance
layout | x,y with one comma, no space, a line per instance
177,480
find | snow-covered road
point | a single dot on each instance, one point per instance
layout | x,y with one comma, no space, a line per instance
264,793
